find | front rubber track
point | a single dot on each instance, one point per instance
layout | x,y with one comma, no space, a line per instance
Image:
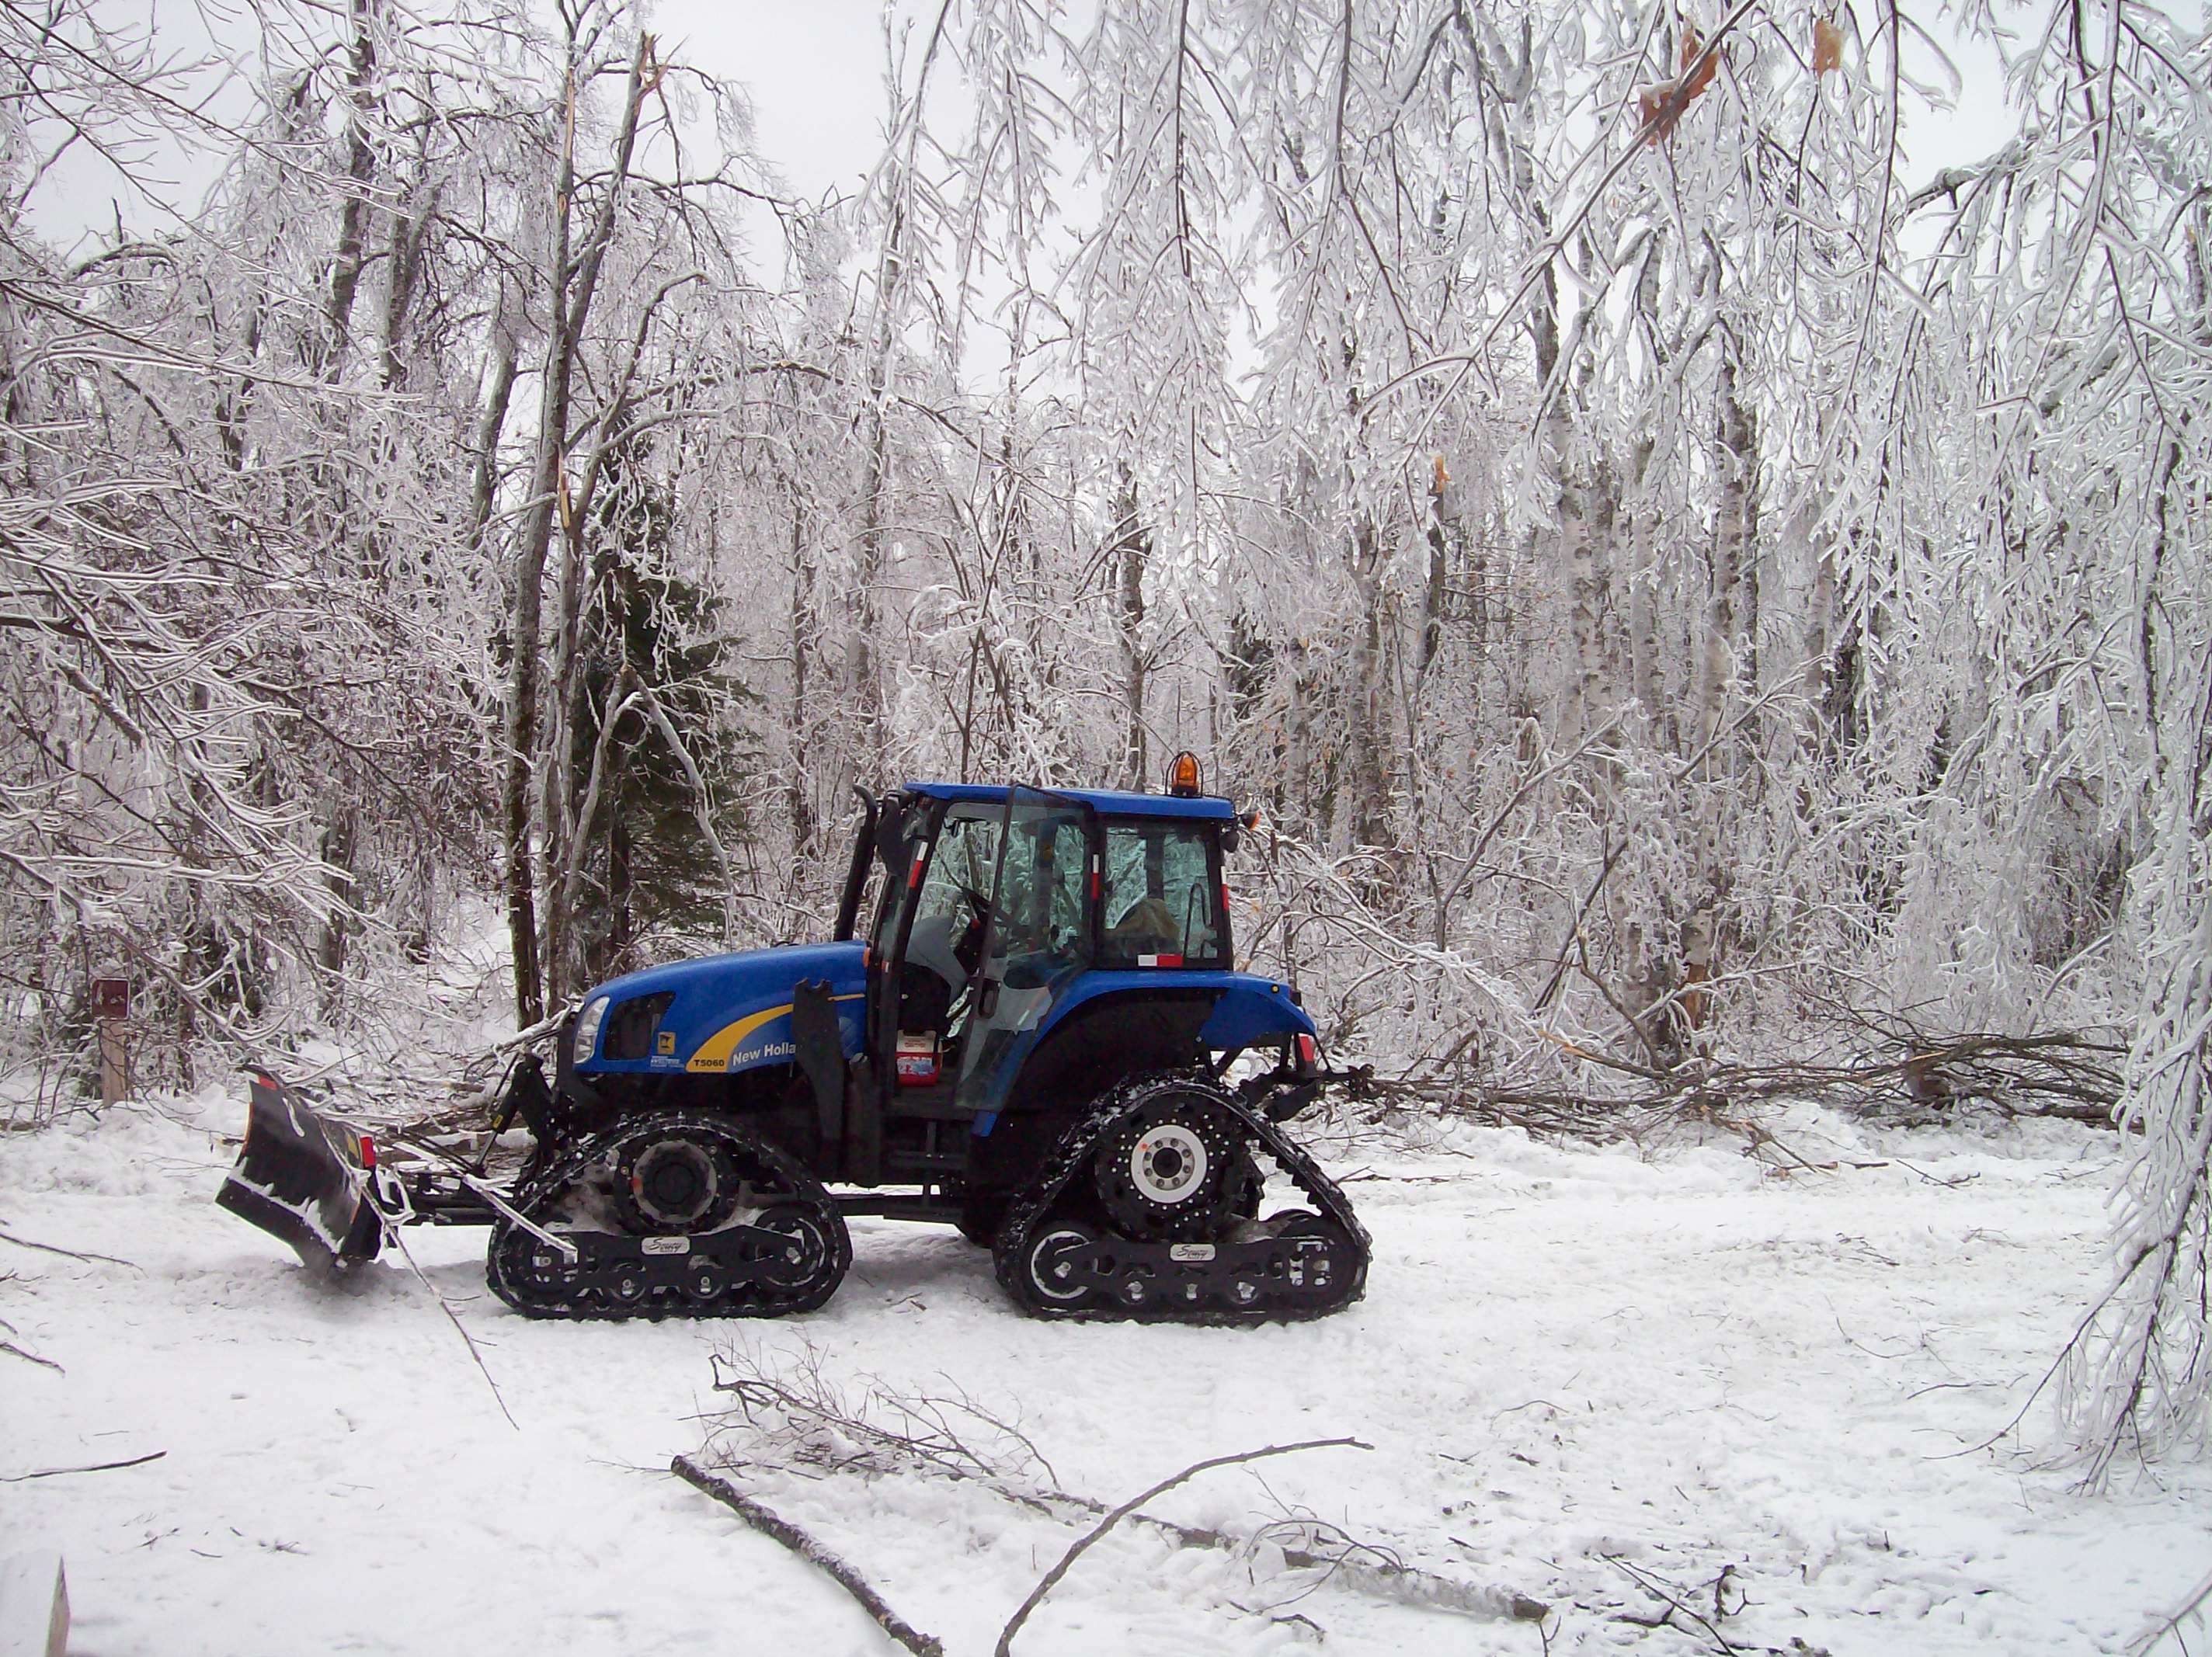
781,1188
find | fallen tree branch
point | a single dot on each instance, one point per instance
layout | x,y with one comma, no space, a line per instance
778,1528
2170,1625
2054,1075
97,1467
809,1422
1673,1601
1390,1578
919,1430
1083,1545
453,1318
9,1347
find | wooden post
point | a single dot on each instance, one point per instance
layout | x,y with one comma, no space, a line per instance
111,1006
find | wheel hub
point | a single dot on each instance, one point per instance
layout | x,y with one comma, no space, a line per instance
1168,1164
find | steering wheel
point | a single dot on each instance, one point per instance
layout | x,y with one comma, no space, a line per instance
967,944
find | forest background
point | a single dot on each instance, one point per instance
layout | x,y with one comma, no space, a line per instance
1689,585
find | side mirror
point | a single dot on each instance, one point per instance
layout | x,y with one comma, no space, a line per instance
890,831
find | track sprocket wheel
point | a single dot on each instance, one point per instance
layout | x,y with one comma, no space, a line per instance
680,1180
1175,1170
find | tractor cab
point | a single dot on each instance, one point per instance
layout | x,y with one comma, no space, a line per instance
1000,903
1027,950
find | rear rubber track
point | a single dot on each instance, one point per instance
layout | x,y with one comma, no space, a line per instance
1046,1201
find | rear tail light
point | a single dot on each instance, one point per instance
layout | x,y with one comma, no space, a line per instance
369,1153
1309,1055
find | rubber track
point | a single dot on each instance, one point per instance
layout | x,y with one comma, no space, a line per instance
537,1195
1009,1254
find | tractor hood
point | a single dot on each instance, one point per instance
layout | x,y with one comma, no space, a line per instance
722,1012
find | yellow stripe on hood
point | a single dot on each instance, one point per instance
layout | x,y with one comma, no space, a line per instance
714,1051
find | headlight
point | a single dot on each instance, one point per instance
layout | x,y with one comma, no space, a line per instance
587,1031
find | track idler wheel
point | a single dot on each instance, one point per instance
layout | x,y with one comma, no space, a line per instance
1062,1265
530,1275
805,1270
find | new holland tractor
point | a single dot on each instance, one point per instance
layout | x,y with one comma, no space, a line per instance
1034,1041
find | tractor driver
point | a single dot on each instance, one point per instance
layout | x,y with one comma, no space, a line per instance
946,939
940,957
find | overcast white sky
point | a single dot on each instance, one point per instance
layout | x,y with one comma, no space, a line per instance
815,72
814,69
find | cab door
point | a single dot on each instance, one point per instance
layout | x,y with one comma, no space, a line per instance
1037,939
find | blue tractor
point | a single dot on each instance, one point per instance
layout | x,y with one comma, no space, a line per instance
1034,1041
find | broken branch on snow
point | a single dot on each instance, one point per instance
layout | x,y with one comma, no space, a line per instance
773,1525
2056,1074
808,1422
1083,1544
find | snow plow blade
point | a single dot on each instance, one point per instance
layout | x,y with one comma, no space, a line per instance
299,1179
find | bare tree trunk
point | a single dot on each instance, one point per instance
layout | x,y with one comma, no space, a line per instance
361,167
1740,519
1731,580
798,797
1370,738
1443,531
573,288
1587,517
1132,548
403,257
499,392
869,704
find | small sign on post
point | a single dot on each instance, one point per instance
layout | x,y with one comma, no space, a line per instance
111,1006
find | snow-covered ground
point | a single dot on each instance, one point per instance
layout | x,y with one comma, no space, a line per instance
1586,1376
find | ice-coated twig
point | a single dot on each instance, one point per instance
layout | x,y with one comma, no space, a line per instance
1046,1583
2170,1624
773,1525
9,1347
52,1248
453,1318
826,1422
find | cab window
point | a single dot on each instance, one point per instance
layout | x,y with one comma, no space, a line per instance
1040,896
957,883
1163,897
